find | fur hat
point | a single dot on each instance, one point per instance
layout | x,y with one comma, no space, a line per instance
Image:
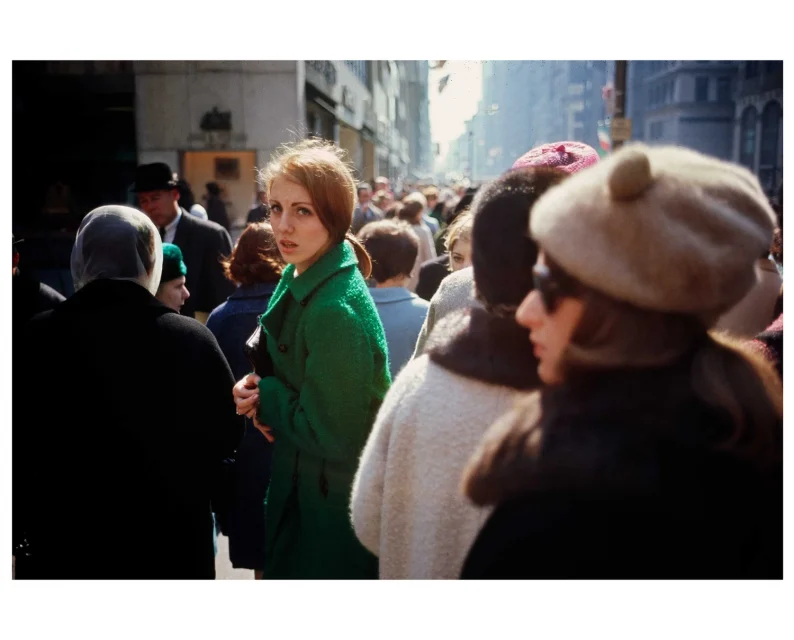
664,228
173,263
568,156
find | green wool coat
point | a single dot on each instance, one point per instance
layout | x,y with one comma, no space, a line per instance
331,374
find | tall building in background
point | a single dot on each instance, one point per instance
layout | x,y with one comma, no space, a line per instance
87,125
529,103
729,109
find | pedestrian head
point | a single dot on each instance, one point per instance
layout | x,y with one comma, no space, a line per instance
312,196
186,197
393,247
158,195
172,291
431,195
458,241
255,258
117,243
214,189
639,256
414,205
364,193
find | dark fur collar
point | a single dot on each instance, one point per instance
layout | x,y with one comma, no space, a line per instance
479,345
603,433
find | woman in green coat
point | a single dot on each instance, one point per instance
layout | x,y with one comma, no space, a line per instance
331,368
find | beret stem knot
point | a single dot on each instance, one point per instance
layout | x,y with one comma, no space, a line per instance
630,175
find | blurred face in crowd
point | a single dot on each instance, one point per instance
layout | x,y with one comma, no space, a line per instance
460,255
550,329
300,235
432,201
382,184
173,293
161,206
262,197
364,197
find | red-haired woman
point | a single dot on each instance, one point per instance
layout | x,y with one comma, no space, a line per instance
331,368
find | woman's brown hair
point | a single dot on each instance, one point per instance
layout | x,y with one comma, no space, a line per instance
255,258
318,167
615,334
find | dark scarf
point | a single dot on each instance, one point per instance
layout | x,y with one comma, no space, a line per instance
480,345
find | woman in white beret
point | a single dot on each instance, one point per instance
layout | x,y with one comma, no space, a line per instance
655,451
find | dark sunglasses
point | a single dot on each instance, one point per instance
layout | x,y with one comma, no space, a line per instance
551,286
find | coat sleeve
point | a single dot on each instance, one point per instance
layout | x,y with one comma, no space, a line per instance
427,328
368,486
330,417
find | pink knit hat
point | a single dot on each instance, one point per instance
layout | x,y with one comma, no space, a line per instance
567,156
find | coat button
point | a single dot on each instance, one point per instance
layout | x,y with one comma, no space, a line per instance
304,302
282,348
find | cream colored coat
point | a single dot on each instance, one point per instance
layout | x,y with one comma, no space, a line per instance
407,505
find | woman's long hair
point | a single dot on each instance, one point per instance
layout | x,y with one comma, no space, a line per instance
318,167
724,374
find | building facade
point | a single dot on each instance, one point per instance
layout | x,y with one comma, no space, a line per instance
758,122
527,103
89,124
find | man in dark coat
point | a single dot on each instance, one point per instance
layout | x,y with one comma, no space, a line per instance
115,481
29,296
260,212
202,242
216,208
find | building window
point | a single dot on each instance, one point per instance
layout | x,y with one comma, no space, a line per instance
770,134
360,69
657,130
701,89
751,69
723,89
747,138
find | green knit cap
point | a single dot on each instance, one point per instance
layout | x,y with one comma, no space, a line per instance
173,265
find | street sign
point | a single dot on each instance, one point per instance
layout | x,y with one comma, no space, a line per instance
620,129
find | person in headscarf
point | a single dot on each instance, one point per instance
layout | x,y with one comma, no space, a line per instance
112,482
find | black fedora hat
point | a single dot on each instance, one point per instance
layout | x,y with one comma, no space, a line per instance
153,177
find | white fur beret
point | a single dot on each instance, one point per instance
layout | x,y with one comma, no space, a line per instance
662,228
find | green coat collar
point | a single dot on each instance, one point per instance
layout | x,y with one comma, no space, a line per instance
337,258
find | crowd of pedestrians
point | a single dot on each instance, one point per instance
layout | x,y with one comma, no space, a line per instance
571,371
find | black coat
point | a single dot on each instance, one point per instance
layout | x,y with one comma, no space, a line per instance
258,214
123,412
431,273
216,212
627,484
203,244
29,297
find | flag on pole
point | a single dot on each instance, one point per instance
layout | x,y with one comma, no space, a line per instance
604,138
443,82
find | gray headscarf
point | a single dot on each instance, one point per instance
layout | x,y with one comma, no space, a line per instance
117,243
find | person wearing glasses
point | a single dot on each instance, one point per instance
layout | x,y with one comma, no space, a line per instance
655,451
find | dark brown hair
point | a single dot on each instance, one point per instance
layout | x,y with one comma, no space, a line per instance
411,210
724,374
393,247
255,258
318,167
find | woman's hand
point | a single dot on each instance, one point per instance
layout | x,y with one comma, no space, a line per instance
246,395
265,430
